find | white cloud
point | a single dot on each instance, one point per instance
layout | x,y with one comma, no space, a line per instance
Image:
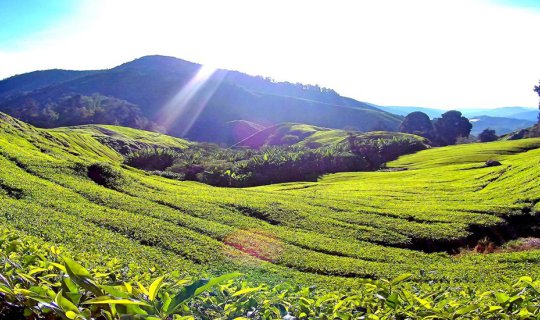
391,52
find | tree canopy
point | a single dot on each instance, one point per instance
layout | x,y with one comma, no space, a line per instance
537,90
450,126
417,123
487,135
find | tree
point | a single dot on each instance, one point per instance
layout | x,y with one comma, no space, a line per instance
487,135
450,126
537,90
417,123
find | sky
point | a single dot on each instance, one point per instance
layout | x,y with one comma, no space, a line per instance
426,53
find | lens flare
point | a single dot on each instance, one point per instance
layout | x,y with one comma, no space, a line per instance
186,106
256,243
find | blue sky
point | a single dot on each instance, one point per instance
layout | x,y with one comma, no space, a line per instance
22,19
529,4
430,53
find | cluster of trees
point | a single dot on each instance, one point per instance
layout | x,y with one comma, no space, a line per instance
537,90
76,109
216,166
446,130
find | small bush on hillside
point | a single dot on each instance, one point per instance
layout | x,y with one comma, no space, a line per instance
105,175
487,135
290,139
168,174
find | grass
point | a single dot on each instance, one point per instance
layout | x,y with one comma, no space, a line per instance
332,233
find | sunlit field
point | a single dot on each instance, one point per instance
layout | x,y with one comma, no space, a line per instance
331,232
419,219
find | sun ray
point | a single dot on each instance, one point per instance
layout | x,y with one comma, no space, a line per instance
184,108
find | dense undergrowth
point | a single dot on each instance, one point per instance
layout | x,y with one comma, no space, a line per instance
216,166
41,282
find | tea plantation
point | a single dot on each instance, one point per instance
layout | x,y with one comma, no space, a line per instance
341,235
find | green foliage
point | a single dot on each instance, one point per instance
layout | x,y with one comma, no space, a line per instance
417,123
76,109
37,281
105,175
487,135
273,164
333,233
537,90
450,126
151,159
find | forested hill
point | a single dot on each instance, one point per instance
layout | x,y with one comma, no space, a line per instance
181,98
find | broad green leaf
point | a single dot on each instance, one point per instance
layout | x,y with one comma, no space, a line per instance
495,308
501,297
142,289
81,276
64,303
154,287
400,278
392,300
115,291
465,310
59,266
112,300
128,287
423,302
36,270
195,289
75,268
246,290
215,281
5,289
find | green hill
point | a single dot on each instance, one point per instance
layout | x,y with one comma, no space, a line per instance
368,211
332,233
303,135
181,98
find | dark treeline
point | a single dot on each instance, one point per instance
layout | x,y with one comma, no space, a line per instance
216,166
446,130
76,109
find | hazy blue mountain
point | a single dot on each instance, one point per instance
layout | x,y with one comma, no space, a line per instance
403,111
505,112
160,87
499,124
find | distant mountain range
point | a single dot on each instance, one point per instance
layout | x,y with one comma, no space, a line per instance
183,99
499,124
503,120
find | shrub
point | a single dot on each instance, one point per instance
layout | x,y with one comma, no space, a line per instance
487,135
105,175
289,139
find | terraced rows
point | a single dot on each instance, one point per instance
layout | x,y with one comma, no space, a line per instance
331,232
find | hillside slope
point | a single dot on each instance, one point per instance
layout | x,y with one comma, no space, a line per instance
332,232
295,134
186,99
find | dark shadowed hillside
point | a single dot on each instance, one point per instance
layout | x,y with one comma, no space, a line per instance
38,79
188,100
